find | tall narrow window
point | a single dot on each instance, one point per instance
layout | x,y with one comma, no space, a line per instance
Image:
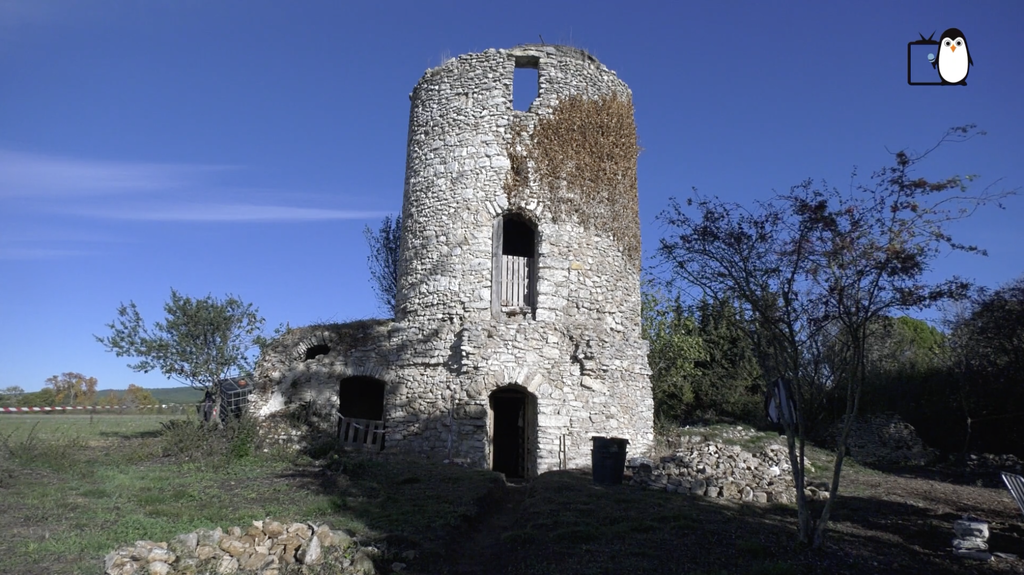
514,271
525,82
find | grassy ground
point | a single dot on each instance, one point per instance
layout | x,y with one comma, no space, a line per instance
71,491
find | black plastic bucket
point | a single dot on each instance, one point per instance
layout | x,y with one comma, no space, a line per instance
608,460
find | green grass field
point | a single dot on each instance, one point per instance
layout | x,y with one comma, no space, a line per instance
68,426
74,488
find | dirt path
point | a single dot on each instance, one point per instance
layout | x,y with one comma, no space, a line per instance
483,550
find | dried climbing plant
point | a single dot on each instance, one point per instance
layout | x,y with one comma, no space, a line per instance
584,158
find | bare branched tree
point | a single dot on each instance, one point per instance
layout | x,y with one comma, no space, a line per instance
385,244
816,268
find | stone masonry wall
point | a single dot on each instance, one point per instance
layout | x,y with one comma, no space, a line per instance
580,357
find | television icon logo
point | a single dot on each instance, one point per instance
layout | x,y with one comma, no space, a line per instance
947,57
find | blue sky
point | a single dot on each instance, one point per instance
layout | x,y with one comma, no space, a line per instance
241,146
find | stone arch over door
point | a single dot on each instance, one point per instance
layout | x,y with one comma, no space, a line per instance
512,427
361,411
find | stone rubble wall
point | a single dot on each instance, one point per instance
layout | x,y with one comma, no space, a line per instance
993,463
264,548
885,439
712,469
575,371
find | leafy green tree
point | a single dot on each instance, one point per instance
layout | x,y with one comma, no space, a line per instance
43,398
385,246
72,388
10,395
675,347
903,353
988,343
817,265
136,396
200,342
730,382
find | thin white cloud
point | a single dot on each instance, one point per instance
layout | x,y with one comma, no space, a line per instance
37,176
225,213
82,193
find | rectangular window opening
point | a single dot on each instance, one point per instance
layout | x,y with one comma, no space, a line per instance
525,82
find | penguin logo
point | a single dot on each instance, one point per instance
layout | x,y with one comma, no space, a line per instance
953,60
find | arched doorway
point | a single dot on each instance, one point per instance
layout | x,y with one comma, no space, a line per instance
513,426
361,412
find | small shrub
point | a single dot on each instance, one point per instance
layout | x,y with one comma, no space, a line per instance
185,438
243,437
57,454
195,440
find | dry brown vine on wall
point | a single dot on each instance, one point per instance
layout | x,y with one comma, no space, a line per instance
584,156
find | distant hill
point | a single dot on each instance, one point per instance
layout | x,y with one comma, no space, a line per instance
165,395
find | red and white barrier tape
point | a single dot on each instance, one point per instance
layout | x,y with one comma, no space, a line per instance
86,408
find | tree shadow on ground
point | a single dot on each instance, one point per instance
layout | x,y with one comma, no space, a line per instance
464,521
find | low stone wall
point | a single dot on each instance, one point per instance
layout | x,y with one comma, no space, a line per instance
264,548
716,470
885,439
993,463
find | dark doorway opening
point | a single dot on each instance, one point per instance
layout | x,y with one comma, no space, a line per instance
518,237
514,273
361,412
513,434
361,397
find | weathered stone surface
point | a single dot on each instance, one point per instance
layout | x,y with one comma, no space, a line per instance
253,561
978,555
273,529
208,537
184,544
966,528
362,563
158,568
161,554
117,564
970,543
309,552
233,546
301,530
971,540
227,565
578,353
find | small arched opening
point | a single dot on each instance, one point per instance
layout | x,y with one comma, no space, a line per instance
513,430
315,351
361,412
514,267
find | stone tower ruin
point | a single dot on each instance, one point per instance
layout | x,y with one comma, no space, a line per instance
517,336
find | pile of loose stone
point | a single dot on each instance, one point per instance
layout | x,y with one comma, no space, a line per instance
885,439
971,539
712,469
264,548
988,462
